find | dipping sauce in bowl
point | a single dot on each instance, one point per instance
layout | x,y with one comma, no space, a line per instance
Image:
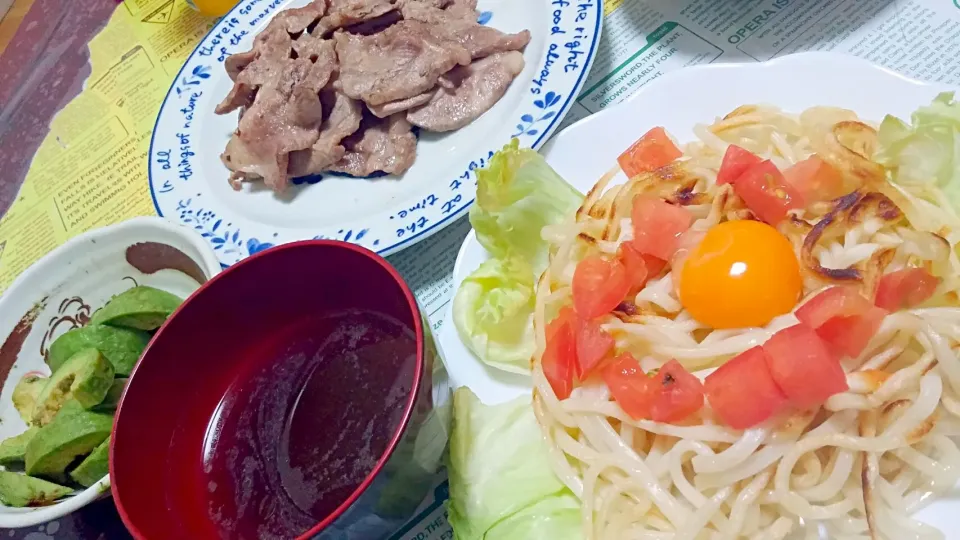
270,404
307,394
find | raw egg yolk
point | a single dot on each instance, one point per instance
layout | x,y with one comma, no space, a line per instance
743,274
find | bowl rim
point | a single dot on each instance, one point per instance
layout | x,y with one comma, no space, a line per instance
28,517
411,398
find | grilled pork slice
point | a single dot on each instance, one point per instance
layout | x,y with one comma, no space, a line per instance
401,62
477,88
382,144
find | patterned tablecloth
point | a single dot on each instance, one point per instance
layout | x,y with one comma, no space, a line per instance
43,67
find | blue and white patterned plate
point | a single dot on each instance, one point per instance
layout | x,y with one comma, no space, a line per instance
189,183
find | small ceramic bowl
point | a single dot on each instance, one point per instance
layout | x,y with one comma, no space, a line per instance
61,291
289,397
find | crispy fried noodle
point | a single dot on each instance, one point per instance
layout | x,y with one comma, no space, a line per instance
856,468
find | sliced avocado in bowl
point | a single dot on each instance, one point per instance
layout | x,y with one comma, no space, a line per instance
141,308
93,467
73,432
86,377
25,395
121,346
18,490
14,449
112,399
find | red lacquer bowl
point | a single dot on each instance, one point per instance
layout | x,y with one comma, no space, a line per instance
283,399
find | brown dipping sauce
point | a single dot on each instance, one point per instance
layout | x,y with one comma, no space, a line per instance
306,420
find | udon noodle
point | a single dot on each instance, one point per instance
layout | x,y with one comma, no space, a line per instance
856,468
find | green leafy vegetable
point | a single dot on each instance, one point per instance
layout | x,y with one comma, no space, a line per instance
493,313
518,194
501,483
555,517
926,151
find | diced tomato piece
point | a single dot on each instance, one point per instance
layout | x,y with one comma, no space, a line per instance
905,289
742,392
631,258
838,301
599,285
843,318
803,367
815,180
652,151
850,335
671,396
560,356
735,162
630,386
657,226
654,265
636,265
766,193
566,317
679,393
593,345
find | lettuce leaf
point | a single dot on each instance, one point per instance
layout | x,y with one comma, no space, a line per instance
926,151
554,518
493,313
518,194
501,483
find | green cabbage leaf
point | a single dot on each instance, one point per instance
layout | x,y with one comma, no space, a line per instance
501,483
518,194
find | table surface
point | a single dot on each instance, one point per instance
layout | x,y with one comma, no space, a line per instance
40,75
10,21
27,57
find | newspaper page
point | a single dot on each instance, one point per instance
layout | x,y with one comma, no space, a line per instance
91,169
643,40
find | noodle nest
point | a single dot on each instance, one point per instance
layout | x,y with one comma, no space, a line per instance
855,469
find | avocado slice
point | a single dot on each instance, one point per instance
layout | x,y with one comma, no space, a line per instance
141,308
94,467
87,377
121,346
19,490
25,395
12,450
112,399
73,432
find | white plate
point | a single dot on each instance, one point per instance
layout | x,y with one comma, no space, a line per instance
586,150
189,183
60,292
